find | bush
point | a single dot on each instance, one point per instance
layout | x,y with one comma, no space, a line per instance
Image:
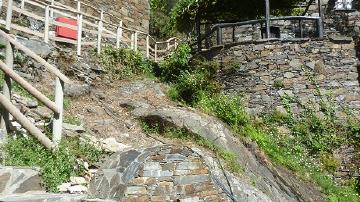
124,63
171,68
56,167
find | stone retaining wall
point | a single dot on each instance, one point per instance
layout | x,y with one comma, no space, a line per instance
265,71
134,14
164,173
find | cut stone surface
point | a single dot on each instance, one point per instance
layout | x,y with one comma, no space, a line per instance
19,180
42,197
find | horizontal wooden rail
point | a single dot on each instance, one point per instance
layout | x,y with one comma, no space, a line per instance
27,86
15,112
28,52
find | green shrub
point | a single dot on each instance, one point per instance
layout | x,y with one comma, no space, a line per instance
226,107
56,168
171,68
124,63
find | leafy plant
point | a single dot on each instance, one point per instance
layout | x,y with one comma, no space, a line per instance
124,63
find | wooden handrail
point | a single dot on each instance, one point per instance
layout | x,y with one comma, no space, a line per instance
15,112
31,54
87,25
27,86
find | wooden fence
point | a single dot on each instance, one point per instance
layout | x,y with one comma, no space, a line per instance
7,108
92,30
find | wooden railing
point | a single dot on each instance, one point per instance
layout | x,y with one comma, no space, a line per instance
97,30
6,106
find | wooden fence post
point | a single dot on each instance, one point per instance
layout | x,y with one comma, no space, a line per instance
9,60
22,5
79,28
136,41
58,117
132,41
119,35
52,10
46,29
147,46
9,15
156,46
99,37
79,34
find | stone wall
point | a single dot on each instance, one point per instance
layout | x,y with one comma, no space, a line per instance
265,71
164,173
134,13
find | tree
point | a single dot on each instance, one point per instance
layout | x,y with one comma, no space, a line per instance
185,11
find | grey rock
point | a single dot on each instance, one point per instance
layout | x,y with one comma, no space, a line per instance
295,63
19,180
76,90
216,132
74,128
340,39
37,46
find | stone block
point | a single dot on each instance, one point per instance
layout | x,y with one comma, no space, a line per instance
152,166
157,173
135,190
191,179
189,165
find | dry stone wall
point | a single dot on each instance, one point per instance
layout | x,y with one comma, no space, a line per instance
164,173
134,13
266,71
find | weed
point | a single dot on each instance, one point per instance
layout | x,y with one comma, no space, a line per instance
73,120
278,84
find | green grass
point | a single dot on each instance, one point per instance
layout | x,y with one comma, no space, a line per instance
73,120
56,168
229,158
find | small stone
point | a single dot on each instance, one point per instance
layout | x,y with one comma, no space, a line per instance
135,190
77,180
77,189
295,63
110,144
43,112
64,187
76,90
70,127
289,75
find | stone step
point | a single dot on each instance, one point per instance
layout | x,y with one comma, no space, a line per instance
42,197
15,180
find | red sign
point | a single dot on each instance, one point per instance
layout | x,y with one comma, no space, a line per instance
66,32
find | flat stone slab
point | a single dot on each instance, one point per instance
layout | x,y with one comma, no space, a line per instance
19,180
42,197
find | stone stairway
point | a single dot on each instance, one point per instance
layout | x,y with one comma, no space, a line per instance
24,184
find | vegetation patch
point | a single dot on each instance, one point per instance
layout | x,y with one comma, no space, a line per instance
124,63
56,167
307,146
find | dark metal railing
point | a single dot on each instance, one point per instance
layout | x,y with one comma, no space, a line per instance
218,28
